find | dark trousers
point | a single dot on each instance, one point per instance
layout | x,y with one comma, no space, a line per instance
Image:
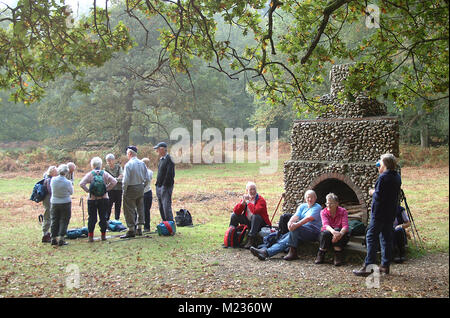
255,224
400,240
147,206
60,215
115,198
379,235
99,207
326,238
164,195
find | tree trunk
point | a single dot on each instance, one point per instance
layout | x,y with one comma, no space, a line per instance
424,136
125,126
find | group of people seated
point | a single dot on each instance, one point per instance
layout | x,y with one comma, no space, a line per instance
310,223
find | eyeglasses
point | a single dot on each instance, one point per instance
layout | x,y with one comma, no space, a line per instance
330,203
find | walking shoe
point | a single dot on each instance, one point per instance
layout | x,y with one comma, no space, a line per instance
47,238
138,232
62,242
338,258
384,269
362,271
54,241
128,235
250,242
292,255
320,257
261,254
103,236
90,237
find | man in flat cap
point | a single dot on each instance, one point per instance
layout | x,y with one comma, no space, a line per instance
165,181
135,178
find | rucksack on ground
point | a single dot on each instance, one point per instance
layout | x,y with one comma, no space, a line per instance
183,218
39,191
97,187
166,228
236,236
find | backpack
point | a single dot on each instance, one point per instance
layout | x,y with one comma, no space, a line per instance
166,228
356,227
236,236
116,226
39,191
76,233
183,218
97,187
283,223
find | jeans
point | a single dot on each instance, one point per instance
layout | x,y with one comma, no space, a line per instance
115,197
99,206
255,224
147,206
164,195
60,214
292,239
379,234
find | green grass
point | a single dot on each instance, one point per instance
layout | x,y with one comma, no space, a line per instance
188,263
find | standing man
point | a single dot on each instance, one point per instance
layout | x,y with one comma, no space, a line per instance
165,181
385,200
70,175
135,178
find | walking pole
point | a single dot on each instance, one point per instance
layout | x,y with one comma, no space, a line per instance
282,196
414,228
82,208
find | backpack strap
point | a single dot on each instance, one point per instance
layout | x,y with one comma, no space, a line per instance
169,227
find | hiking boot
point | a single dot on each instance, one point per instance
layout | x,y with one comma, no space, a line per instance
47,238
90,237
320,257
292,255
62,242
54,241
363,272
338,258
261,254
384,269
138,232
250,242
103,236
128,235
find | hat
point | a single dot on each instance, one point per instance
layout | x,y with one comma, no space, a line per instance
160,144
132,148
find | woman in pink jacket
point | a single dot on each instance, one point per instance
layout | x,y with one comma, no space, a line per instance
334,230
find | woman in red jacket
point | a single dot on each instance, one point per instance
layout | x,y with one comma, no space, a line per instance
251,211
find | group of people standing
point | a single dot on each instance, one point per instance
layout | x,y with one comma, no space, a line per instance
329,226
108,187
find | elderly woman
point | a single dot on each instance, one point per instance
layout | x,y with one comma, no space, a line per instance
61,205
48,175
100,183
115,194
251,211
304,225
335,231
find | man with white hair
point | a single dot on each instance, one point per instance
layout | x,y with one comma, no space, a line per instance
304,225
251,211
135,178
71,174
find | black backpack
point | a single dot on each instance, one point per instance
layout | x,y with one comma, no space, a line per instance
183,218
283,223
39,191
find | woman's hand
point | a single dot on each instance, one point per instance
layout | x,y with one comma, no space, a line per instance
336,236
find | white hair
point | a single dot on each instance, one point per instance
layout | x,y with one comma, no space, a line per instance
333,197
132,152
96,162
308,192
47,173
71,165
110,156
389,161
250,184
63,169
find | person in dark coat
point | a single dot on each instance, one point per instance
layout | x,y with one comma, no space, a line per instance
385,200
165,181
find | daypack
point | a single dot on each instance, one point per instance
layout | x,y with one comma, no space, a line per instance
116,226
236,236
76,233
183,218
39,191
97,187
283,223
166,228
356,227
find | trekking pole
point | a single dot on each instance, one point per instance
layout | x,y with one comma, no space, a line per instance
414,228
282,196
82,208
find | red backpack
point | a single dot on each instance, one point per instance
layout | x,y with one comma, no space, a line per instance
236,236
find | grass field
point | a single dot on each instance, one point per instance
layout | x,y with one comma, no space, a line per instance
192,263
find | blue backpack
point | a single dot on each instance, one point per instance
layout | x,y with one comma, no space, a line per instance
39,191
166,228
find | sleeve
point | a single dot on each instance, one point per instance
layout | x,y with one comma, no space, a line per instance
170,172
325,220
70,187
344,221
85,181
239,208
125,178
259,208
